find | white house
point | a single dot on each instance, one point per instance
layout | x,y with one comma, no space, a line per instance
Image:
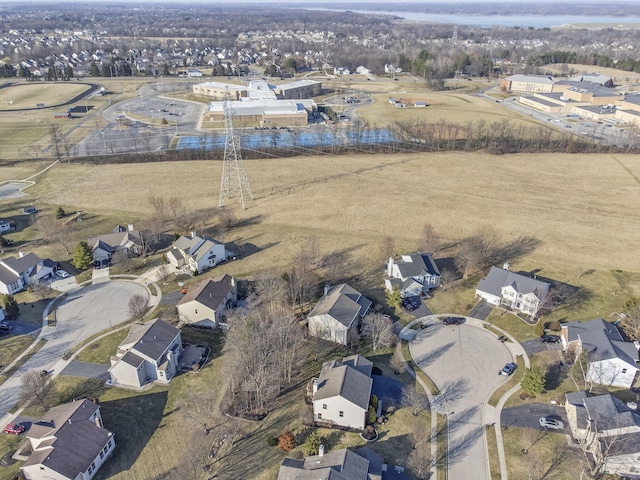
342,391
414,275
362,70
5,226
337,315
70,443
205,304
17,273
196,253
513,290
121,239
150,353
608,429
612,361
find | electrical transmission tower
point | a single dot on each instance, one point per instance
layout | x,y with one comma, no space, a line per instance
234,177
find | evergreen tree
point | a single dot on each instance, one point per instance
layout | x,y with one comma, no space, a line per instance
11,308
533,381
82,257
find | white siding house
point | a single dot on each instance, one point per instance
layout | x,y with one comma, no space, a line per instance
413,275
206,304
17,273
196,253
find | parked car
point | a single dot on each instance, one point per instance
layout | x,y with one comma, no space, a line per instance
453,320
551,423
97,264
508,369
5,326
62,273
407,305
502,338
14,428
550,339
414,301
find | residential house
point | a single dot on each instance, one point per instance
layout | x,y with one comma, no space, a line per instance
612,361
512,290
121,239
69,443
414,275
205,304
17,273
608,429
150,353
342,391
342,464
338,314
196,253
5,226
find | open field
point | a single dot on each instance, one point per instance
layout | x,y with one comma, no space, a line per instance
620,77
28,95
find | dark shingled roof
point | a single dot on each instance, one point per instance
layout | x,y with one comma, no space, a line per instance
343,303
210,293
151,339
419,264
609,412
337,379
78,440
499,278
341,464
602,340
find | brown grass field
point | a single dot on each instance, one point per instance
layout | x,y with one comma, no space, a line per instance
28,95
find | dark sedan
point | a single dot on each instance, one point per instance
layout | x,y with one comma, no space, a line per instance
453,320
550,339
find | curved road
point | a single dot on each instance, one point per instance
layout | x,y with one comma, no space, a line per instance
82,314
464,362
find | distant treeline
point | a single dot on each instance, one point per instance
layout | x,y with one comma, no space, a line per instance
561,56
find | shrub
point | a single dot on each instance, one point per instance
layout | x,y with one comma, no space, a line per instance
312,444
533,381
11,308
60,213
371,414
272,441
286,441
555,326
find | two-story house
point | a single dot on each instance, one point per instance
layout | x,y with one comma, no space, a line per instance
70,443
413,275
517,292
205,304
196,253
612,361
150,353
342,391
17,273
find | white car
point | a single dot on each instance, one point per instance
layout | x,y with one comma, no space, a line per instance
551,423
62,273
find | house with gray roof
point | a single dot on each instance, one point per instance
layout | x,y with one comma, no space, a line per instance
17,273
413,275
196,253
150,353
342,391
120,239
69,443
608,429
338,314
342,464
612,361
205,304
517,292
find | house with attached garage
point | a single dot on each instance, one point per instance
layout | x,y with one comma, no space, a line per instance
612,361
121,239
205,305
413,275
5,226
342,391
196,253
608,429
17,273
150,353
70,443
517,292
338,315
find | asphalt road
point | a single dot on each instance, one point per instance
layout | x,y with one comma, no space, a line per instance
536,346
81,315
528,416
482,310
464,362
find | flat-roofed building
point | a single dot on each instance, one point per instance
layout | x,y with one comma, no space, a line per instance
219,90
528,83
298,90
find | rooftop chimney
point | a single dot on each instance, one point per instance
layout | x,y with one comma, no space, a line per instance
97,420
315,385
506,266
390,267
193,234
130,227
20,254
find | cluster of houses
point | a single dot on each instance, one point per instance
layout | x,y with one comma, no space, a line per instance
588,96
340,395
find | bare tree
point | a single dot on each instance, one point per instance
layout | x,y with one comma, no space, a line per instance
429,240
397,361
40,287
631,323
286,338
414,398
138,307
447,276
160,207
163,272
301,281
388,247
199,409
55,230
476,251
380,330
35,387
419,462
270,288
122,259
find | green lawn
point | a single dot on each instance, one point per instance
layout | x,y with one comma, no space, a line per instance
14,347
100,351
492,448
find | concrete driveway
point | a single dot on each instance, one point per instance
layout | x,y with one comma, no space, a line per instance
528,416
464,361
81,315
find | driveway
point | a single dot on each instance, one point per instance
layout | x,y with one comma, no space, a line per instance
528,416
482,310
387,389
86,370
80,315
536,346
464,361
21,328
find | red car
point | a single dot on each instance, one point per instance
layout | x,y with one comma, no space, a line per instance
14,428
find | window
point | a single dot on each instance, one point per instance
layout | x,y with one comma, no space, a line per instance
341,413
624,370
319,416
196,310
324,406
109,444
101,455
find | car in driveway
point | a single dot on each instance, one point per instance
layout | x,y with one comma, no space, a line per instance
453,320
407,305
508,369
550,339
5,326
14,428
62,273
551,423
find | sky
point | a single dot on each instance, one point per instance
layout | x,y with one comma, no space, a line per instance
316,3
